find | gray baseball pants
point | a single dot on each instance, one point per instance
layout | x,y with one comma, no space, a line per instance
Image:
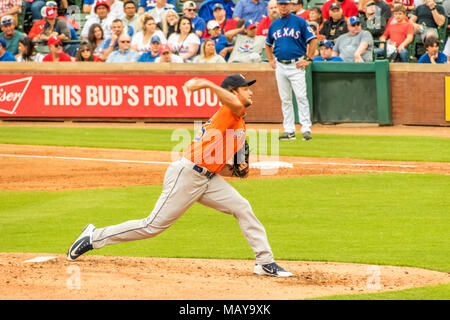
181,189
289,78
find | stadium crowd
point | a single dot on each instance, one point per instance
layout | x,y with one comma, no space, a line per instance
219,31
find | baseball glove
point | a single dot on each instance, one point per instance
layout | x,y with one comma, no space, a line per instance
241,157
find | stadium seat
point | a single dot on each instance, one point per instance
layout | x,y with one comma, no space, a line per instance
21,18
308,4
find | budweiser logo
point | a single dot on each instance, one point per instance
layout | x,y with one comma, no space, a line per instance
11,93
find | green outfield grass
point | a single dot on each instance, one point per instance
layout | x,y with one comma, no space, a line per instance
440,292
323,145
384,219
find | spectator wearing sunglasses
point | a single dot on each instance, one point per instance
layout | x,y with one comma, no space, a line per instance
125,53
56,51
85,53
189,11
356,45
335,25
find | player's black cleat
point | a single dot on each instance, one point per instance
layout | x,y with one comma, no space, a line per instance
307,135
83,243
271,269
287,136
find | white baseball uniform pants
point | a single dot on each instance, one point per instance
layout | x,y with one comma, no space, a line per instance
181,189
289,78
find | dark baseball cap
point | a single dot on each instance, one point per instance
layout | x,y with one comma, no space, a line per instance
335,6
236,80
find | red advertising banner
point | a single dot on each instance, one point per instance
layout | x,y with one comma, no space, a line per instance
121,96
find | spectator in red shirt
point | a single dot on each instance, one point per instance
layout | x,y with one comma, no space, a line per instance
297,8
221,18
56,51
272,15
399,34
349,8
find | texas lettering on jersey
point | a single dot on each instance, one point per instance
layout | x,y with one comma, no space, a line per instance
286,32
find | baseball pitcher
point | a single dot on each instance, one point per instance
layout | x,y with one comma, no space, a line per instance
196,177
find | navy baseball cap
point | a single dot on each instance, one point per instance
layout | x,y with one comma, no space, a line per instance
353,20
283,1
236,80
335,6
326,43
218,6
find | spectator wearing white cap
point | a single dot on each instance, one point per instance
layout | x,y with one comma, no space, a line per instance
10,34
189,10
54,26
221,44
220,15
10,8
5,55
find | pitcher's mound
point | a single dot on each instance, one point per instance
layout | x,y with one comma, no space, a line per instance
100,277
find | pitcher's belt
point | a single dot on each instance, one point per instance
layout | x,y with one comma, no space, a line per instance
197,168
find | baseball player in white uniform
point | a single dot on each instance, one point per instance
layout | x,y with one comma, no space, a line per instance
290,47
196,178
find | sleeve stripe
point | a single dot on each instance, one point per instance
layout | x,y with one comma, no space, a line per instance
310,38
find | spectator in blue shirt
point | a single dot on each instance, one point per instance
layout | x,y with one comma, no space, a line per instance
150,56
206,9
223,47
326,52
250,10
4,54
146,5
125,53
433,55
199,25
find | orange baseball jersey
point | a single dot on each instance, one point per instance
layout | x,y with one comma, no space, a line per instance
218,140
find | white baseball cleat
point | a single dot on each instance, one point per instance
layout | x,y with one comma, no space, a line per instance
271,269
83,243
